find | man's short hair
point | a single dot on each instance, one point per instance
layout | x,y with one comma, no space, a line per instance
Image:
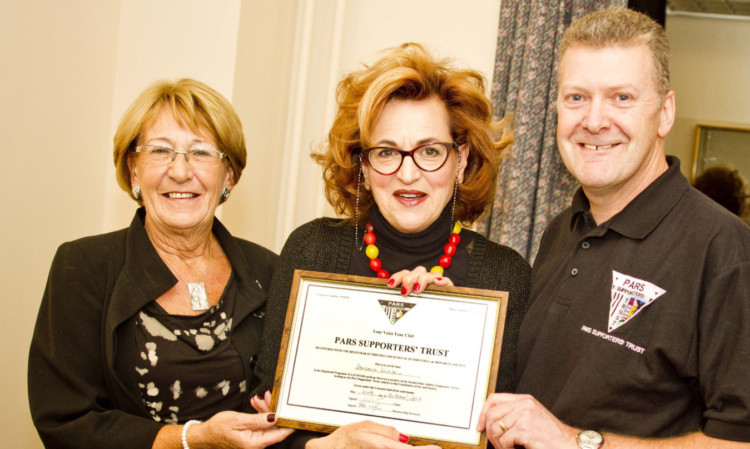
625,28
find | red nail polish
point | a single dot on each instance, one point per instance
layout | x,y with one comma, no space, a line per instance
417,287
271,417
403,438
403,290
439,279
391,282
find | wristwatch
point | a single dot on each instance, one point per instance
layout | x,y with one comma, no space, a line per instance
590,439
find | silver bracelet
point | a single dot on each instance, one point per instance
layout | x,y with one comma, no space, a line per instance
184,432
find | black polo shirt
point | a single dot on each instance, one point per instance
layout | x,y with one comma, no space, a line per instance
641,326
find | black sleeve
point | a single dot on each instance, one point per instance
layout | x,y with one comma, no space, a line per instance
262,262
724,353
298,252
70,403
516,280
498,267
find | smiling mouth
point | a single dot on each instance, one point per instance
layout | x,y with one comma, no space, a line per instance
180,195
598,147
410,196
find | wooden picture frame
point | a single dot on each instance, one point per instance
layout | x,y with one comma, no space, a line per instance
360,362
721,143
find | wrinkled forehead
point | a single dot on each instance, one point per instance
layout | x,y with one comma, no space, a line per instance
607,65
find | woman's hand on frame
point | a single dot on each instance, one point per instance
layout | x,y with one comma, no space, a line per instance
416,280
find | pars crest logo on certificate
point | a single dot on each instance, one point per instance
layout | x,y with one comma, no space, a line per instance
395,310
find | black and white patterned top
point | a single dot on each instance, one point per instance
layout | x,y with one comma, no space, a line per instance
187,366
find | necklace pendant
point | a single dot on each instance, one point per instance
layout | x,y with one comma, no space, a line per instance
198,297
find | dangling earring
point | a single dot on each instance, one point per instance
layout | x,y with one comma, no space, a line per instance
455,190
356,207
136,192
225,194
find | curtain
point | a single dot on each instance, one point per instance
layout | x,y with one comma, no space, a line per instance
533,185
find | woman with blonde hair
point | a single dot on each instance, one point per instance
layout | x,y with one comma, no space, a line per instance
410,160
145,332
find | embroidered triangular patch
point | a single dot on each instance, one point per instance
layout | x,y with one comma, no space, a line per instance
629,296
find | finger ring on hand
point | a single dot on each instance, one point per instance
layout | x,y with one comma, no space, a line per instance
502,426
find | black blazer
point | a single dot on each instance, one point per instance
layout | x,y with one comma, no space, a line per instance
82,383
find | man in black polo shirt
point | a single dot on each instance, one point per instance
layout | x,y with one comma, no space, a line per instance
638,329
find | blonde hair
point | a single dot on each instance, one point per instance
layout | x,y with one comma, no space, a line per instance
622,27
193,104
409,72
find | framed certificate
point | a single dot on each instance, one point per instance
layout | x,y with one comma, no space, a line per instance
356,350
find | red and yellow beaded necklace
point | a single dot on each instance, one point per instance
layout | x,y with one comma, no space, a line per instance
445,261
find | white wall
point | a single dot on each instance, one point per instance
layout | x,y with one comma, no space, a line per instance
710,76
69,70
261,92
57,84
71,67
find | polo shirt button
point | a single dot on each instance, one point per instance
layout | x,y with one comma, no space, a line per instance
574,271
585,245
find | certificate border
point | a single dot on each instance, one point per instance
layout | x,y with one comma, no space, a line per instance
451,298
457,292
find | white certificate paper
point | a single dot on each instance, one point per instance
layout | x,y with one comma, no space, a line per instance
357,351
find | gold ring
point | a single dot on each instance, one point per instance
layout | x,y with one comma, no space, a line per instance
502,426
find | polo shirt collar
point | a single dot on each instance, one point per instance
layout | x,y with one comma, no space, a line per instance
644,213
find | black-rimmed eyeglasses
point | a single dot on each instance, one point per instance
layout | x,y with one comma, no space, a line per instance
427,157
